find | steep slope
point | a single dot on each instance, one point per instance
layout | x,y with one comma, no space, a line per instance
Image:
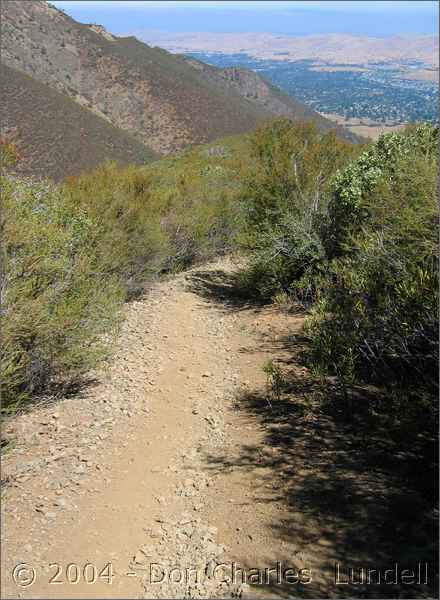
261,92
163,99
146,91
54,135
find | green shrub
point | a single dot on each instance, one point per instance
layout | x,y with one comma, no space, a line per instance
196,199
198,223
129,243
292,165
56,302
349,207
284,195
286,257
9,154
377,321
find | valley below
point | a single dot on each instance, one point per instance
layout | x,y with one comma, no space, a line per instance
219,306
388,81
365,127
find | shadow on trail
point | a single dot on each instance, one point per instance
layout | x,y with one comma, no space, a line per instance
344,503
222,288
347,494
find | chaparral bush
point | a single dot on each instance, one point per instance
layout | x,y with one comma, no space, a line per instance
283,199
73,253
377,319
56,300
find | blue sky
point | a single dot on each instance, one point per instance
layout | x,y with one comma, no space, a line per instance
367,17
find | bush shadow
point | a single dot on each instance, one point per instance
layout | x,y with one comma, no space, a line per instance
345,503
223,289
350,495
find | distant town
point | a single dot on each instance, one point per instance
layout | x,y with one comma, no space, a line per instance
383,92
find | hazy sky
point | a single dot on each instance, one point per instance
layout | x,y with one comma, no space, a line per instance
289,17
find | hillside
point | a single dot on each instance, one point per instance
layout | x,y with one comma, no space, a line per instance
55,136
146,91
161,98
274,395
335,49
271,98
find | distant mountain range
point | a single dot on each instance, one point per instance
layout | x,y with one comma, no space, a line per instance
329,49
74,95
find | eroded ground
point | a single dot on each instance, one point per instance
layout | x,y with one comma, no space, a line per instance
177,472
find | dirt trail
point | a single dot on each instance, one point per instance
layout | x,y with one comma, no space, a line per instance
173,456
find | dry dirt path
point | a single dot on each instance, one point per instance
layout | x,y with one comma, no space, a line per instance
173,456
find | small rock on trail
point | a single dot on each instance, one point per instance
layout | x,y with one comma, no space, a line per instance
137,468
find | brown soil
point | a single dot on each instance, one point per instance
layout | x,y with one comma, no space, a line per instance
177,454
57,138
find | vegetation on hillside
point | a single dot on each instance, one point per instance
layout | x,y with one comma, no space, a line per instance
360,247
74,252
350,231
56,136
57,301
376,316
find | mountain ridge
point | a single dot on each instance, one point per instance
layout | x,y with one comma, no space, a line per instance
145,91
54,135
326,48
157,97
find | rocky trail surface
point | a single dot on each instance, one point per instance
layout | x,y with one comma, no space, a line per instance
173,473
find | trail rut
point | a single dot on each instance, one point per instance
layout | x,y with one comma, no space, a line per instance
90,477
171,475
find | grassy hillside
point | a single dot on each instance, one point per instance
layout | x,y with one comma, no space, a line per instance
146,91
166,101
54,135
262,93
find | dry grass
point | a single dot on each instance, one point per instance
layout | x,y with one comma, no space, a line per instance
55,136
